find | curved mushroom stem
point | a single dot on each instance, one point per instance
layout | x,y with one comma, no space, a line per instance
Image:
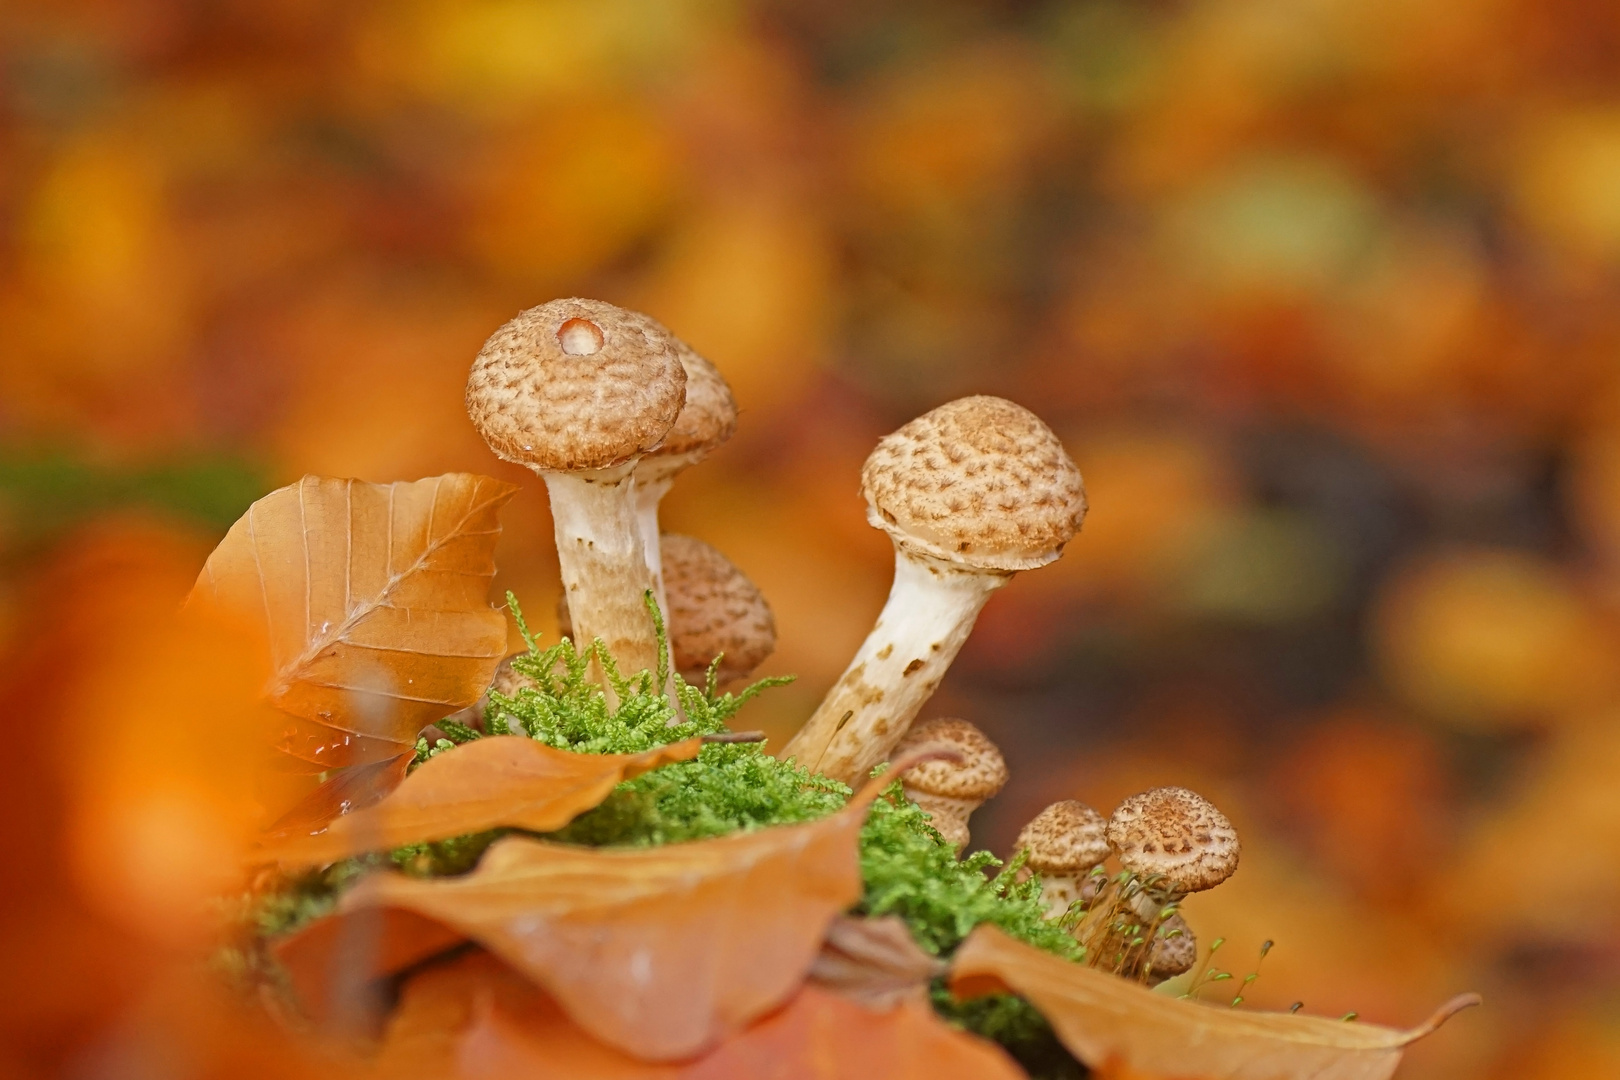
604,569
929,614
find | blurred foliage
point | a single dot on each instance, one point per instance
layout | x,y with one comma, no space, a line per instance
1324,297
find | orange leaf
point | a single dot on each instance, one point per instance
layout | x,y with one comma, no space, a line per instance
348,791
660,952
475,1019
502,780
1109,1022
374,598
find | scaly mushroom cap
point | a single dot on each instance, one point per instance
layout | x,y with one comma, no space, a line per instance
1176,835
713,609
1067,837
978,481
576,384
978,776
709,417
1174,954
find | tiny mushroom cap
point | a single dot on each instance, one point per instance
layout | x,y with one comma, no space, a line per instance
1174,950
1177,836
979,775
714,610
978,481
574,385
1067,837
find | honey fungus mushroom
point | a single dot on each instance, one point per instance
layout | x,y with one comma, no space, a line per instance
707,420
1174,841
714,611
950,790
1065,843
577,390
970,493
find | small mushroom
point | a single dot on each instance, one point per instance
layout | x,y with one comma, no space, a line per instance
1174,841
578,390
707,420
1066,842
970,493
951,790
1174,951
714,611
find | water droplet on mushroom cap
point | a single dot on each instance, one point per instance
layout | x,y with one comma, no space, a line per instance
580,337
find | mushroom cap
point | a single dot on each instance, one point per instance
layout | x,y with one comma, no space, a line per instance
576,384
978,776
709,416
1173,955
1175,834
978,481
713,609
1067,837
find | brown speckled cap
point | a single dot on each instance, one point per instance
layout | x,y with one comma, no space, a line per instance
978,776
714,609
575,384
1177,835
1067,837
709,417
1174,950
979,481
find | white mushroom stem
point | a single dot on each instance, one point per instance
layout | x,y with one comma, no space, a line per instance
654,477
1061,888
604,570
948,816
929,614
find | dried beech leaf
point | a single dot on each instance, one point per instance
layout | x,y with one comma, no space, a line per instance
475,1019
875,962
374,598
349,790
1106,1021
660,952
332,958
502,780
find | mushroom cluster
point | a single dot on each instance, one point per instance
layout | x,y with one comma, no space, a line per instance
1169,842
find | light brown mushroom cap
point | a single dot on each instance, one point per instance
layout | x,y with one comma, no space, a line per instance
576,384
979,481
978,776
713,608
1174,954
709,417
1067,837
1176,835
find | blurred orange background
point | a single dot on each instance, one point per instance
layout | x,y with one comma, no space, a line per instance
1323,296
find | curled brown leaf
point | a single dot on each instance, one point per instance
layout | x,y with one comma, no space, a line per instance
874,962
1110,1022
507,780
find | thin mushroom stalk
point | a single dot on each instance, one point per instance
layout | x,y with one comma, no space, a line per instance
930,612
603,567
970,493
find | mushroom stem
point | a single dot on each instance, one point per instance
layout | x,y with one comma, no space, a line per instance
604,570
928,616
654,478
948,816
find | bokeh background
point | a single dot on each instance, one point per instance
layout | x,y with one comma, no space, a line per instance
1323,296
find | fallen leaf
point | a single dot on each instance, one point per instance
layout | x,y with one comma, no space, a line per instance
501,780
874,962
329,962
350,790
474,1018
1106,1021
374,598
660,952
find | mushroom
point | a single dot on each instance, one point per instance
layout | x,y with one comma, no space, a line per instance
578,390
1174,951
1174,841
970,493
708,419
951,790
1065,842
714,611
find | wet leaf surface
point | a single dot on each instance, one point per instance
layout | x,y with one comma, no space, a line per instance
1110,1023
